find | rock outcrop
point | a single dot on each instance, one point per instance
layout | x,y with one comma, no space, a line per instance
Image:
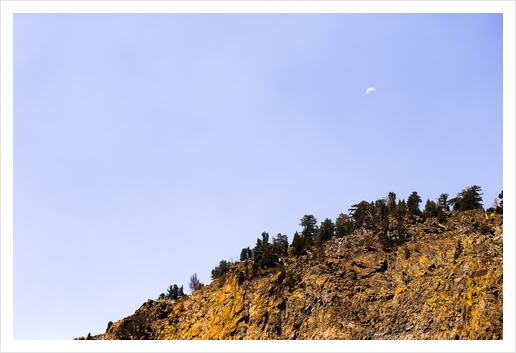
446,282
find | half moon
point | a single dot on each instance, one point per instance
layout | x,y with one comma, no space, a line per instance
369,90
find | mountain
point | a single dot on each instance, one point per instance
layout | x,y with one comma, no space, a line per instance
444,282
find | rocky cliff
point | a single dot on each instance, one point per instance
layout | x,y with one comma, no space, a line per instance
446,282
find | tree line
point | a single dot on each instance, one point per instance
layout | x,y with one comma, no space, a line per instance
374,215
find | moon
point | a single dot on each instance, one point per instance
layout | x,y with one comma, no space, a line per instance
369,90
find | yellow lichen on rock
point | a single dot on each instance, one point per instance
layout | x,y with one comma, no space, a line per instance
446,284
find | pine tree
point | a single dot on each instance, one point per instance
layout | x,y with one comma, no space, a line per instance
263,256
173,292
359,212
413,202
309,224
381,211
430,209
391,203
243,255
257,256
280,245
468,199
455,202
371,216
246,254
344,225
443,202
499,209
268,257
327,230
402,208
472,198
297,245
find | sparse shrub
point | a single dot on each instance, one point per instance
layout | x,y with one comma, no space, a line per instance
220,270
494,207
195,283
109,325
458,250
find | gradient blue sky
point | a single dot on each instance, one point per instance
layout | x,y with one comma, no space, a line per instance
148,147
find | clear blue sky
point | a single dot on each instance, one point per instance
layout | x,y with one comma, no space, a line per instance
150,147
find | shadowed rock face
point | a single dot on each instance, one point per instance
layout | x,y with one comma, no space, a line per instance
445,283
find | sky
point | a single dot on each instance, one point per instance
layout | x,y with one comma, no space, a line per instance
148,147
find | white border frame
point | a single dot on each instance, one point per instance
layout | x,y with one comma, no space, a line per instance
8,8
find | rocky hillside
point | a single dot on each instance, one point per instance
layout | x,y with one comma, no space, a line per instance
446,282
